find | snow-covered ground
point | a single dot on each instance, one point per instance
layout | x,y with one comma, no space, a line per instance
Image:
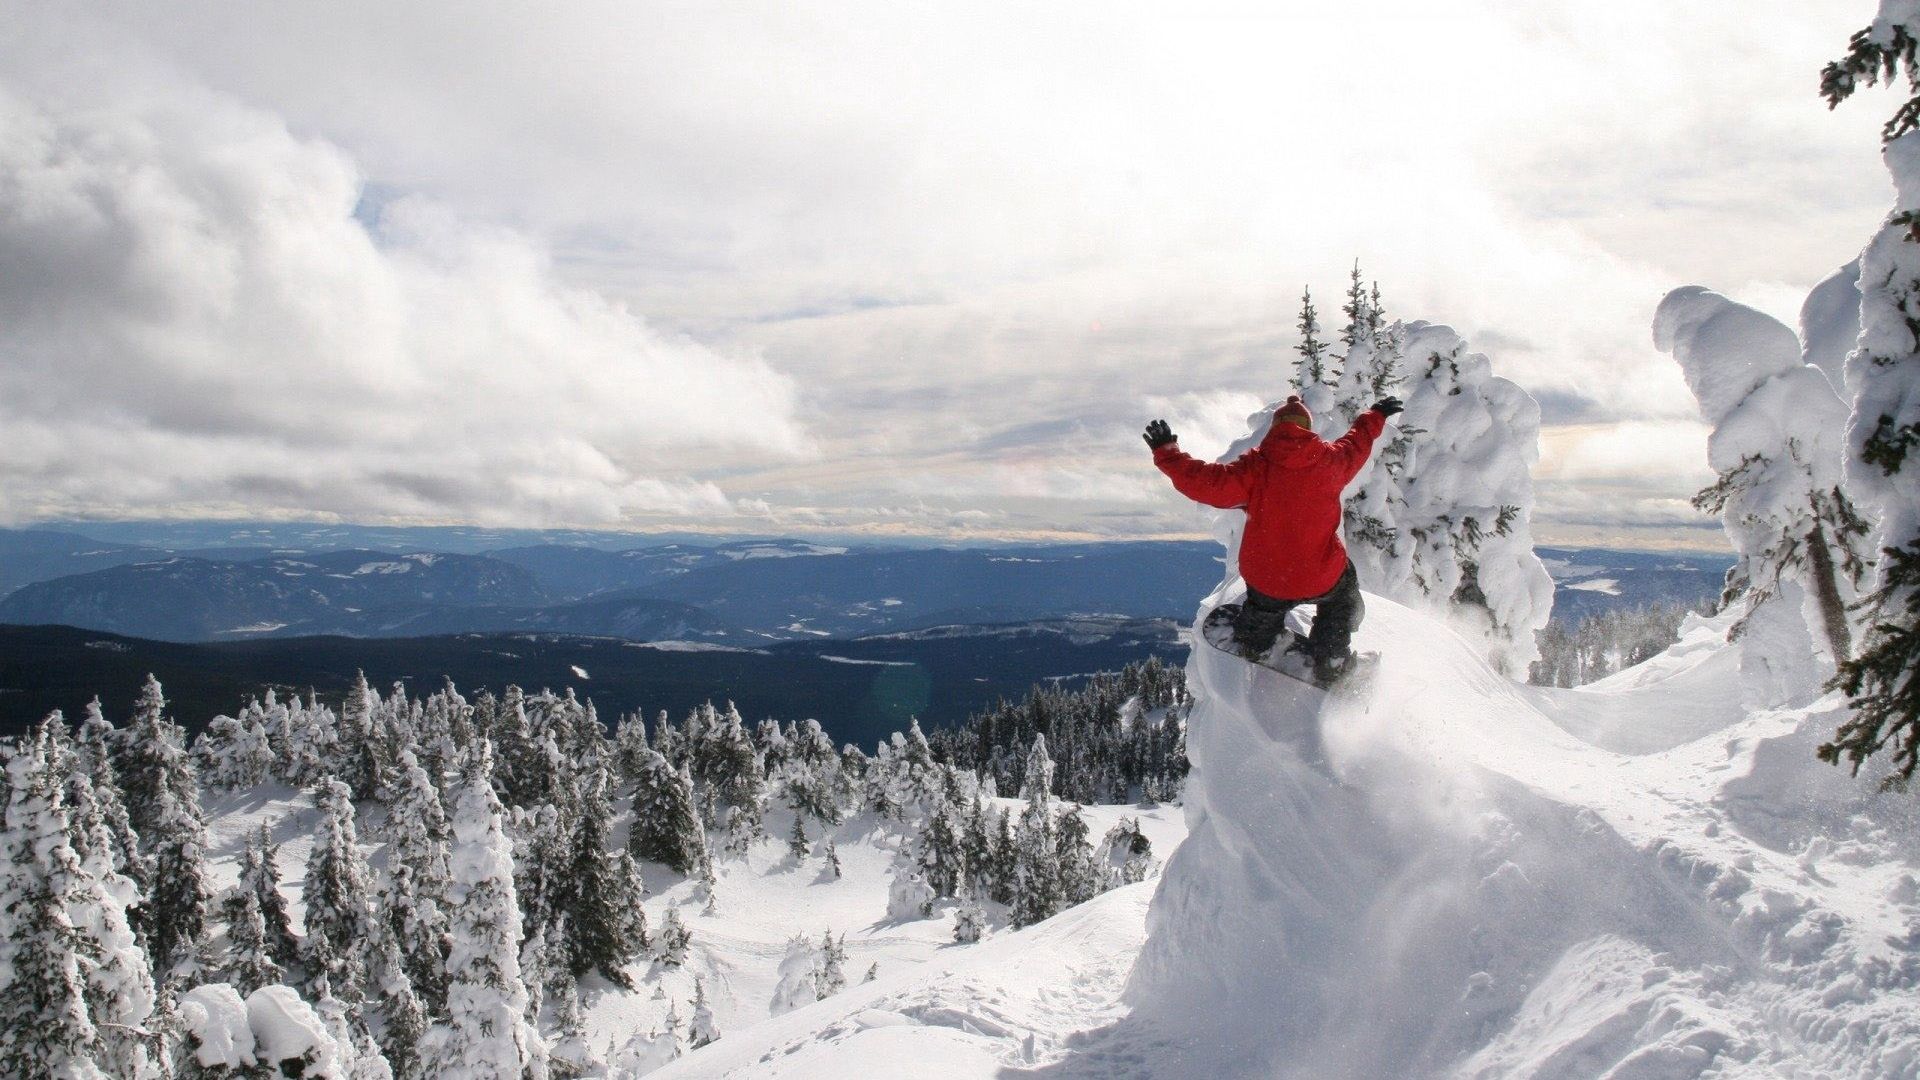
1448,875
1004,987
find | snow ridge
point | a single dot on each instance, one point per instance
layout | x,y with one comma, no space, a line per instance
1453,876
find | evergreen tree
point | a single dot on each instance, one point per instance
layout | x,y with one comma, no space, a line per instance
338,895
630,746
797,846
941,852
120,991
45,1027
665,827
414,893
248,962
402,1015
832,856
260,875
364,741
830,976
541,853
309,736
969,921
485,1033
163,805
1080,877
571,1055
798,985
701,1027
1312,370
1036,866
595,895
670,944
93,756
1883,379
633,926
234,753
1006,860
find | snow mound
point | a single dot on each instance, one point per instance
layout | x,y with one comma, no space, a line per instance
1456,875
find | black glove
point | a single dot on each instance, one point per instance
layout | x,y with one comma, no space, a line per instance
1158,434
1388,406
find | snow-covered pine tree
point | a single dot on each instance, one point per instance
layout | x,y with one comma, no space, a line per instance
633,917
908,894
1080,877
670,944
1442,518
733,770
308,734
830,974
1883,379
969,920
594,893
647,1051
540,855
247,961
1006,858
260,874
702,1029
570,1052
485,1034
1369,364
666,828
1776,447
359,1056
363,743
797,847
93,755
401,1019
120,990
630,746
832,856
1036,867
796,985
338,897
812,779
414,891
234,753
163,803
1313,374
45,1026
293,1039
939,850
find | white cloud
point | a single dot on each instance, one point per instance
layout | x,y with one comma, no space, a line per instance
985,243
194,320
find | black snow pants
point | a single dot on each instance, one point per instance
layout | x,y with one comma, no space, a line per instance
1337,614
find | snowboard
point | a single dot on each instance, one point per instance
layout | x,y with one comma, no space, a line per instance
1218,630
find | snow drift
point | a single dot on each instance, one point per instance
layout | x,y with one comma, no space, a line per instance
1458,875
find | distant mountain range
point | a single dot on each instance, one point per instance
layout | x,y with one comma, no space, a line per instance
739,592
858,637
1591,580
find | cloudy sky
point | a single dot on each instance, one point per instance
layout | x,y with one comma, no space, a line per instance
890,268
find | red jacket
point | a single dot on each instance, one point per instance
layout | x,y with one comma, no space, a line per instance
1290,486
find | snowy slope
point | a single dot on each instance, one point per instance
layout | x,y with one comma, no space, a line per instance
1003,989
1488,879
1454,875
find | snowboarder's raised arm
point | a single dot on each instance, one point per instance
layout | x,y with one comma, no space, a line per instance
1222,486
1350,450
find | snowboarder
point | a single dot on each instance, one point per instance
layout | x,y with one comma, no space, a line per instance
1291,552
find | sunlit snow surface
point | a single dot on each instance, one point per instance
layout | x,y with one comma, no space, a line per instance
1455,876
